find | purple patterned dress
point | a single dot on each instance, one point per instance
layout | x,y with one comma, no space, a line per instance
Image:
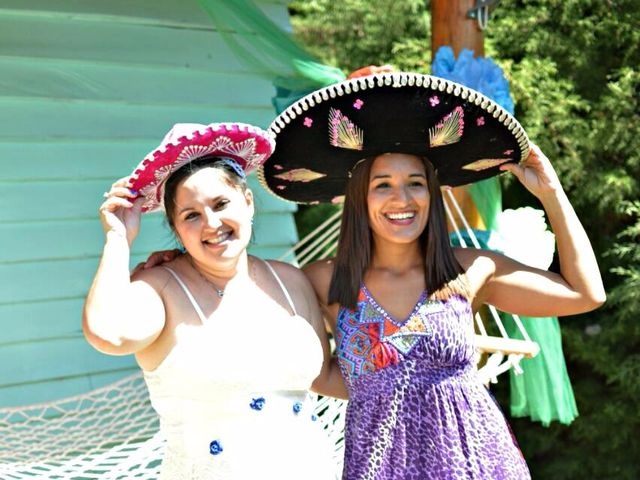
417,409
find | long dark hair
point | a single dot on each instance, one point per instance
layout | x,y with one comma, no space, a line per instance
188,169
443,273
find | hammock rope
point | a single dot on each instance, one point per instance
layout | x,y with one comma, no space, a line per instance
107,433
498,347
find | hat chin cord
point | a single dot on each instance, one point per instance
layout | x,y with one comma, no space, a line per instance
355,165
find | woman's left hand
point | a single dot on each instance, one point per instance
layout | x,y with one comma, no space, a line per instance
156,259
536,173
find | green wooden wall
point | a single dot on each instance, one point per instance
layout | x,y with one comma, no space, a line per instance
87,89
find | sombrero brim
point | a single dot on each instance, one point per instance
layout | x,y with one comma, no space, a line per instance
248,145
466,135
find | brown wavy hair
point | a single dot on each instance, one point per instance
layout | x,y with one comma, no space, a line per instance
444,276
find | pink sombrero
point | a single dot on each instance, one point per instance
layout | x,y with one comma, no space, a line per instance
247,145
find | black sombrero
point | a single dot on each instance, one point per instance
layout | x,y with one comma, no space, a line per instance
323,135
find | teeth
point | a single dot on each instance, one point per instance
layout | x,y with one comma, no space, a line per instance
400,216
220,238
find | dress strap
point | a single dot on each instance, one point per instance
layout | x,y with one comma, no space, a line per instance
284,289
195,305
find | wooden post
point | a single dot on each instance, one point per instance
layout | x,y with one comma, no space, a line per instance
451,26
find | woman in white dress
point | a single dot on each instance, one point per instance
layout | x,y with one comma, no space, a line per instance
229,344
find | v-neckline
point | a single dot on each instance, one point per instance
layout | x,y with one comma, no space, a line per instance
386,314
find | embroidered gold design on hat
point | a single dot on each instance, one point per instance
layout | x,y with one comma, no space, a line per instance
343,133
449,130
485,163
300,175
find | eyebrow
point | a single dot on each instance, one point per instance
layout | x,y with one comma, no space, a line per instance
419,175
184,210
190,207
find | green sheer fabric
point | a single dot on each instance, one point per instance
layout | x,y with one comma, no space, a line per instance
265,48
487,196
544,391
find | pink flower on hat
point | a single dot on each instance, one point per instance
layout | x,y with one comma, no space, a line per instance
308,122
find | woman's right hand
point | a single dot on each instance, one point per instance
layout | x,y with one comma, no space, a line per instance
536,173
120,212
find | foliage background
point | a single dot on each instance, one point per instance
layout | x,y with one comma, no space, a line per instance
573,70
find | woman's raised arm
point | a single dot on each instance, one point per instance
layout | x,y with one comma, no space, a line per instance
122,316
516,288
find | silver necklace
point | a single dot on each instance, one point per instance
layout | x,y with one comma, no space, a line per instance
219,291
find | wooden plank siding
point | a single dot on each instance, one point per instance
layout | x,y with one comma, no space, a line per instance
87,89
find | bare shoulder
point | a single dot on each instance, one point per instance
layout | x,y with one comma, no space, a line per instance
156,277
319,274
479,266
320,270
293,278
475,258
298,286
287,272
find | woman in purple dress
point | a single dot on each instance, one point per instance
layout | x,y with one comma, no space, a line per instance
399,298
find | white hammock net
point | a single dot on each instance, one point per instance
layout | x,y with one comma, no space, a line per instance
108,433
112,432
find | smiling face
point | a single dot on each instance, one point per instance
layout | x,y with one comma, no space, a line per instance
397,198
212,217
